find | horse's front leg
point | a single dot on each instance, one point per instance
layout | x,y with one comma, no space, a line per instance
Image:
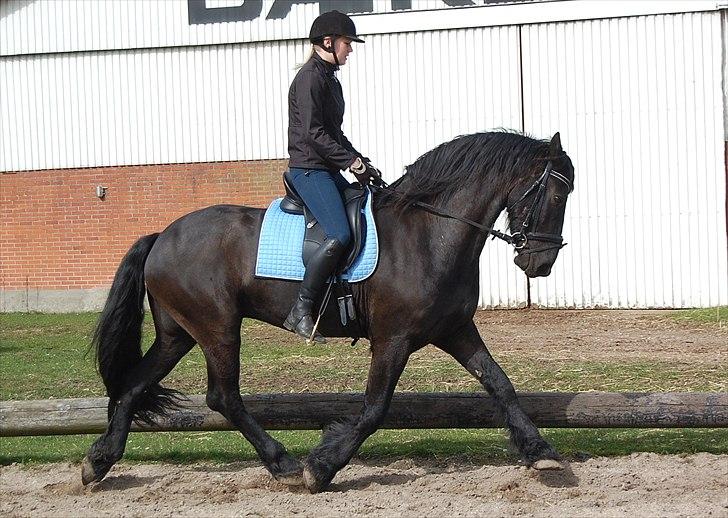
341,440
467,347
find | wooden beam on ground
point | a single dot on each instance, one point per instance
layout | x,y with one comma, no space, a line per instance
408,410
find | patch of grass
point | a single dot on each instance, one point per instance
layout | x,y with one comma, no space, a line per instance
481,446
717,315
44,356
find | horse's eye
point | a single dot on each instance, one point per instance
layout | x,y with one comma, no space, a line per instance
558,199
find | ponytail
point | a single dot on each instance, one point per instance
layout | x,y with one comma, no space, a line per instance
311,52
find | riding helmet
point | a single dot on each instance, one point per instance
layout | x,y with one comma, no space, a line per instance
333,23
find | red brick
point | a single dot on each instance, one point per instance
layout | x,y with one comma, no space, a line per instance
55,233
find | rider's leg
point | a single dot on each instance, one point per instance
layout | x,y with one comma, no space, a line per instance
321,195
341,183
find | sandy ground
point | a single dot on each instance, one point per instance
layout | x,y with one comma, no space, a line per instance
641,484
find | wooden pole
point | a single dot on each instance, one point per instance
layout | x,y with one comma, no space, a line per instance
408,410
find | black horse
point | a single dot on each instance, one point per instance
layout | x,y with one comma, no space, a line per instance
199,277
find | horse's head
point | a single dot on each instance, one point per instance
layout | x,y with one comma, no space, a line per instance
536,206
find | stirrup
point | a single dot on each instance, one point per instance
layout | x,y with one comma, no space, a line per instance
302,330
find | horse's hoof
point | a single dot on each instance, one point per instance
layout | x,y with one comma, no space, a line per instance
547,465
291,479
310,481
88,474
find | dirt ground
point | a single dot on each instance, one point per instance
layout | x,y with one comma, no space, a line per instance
602,335
641,484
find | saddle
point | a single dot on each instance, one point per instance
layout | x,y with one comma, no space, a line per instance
354,200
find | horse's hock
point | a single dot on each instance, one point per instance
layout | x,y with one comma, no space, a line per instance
408,410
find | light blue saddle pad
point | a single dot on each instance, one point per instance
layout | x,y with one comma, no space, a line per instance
281,245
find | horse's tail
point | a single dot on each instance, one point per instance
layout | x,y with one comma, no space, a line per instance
118,335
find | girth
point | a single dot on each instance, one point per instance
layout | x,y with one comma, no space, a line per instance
354,200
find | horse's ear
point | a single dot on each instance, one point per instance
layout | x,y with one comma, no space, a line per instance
555,145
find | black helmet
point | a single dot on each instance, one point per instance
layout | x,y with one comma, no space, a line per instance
333,23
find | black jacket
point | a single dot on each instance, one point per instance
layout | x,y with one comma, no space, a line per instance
315,114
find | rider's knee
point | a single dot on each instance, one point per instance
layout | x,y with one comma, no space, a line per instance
342,236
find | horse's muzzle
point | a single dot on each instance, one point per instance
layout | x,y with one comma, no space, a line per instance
536,264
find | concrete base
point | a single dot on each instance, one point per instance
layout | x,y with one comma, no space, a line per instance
52,301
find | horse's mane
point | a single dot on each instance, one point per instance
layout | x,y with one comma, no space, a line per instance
488,157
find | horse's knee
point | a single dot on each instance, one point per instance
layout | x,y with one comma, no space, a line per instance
485,369
478,365
214,401
372,420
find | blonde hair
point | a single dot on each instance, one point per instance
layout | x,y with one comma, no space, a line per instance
311,52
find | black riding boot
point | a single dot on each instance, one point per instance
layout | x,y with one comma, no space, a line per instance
321,266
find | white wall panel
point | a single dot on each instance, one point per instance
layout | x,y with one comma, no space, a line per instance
407,93
194,104
639,105
53,26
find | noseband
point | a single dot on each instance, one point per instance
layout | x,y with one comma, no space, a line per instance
520,239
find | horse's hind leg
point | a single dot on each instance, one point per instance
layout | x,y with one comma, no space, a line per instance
222,353
343,439
467,347
170,345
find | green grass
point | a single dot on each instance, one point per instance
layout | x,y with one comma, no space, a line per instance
482,446
717,315
45,356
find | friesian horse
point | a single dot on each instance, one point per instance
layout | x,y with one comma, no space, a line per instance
199,277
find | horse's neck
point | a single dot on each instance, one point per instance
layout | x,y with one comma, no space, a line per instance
452,243
464,240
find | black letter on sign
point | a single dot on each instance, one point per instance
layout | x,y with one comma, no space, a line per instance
400,5
346,6
199,13
282,8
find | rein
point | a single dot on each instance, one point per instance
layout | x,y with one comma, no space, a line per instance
519,240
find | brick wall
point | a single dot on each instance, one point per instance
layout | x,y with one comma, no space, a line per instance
55,234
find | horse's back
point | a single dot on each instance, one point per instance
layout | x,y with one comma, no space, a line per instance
210,242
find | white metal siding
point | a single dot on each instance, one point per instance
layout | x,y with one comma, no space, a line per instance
53,26
193,104
405,93
639,104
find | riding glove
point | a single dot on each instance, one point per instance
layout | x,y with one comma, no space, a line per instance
365,172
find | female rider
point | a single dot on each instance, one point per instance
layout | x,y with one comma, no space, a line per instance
318,152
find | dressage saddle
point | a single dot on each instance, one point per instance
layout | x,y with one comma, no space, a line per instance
354,199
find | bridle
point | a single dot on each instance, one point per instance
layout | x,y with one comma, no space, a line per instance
519,240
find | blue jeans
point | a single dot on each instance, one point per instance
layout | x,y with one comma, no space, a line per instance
322,192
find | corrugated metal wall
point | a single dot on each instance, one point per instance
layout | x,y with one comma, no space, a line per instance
192,104
44,26
48,26
637,100
405,92
410,92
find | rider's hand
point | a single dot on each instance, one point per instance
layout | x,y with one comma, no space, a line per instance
359,169
375,174
365,172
